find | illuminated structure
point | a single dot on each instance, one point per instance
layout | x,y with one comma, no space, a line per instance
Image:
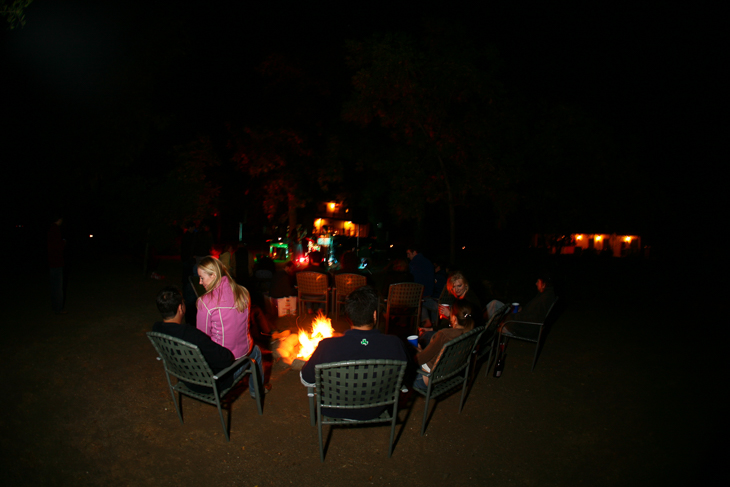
334,218
616,245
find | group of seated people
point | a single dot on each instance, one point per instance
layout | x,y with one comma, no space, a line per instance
223,335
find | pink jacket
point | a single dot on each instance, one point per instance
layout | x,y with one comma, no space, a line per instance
219,319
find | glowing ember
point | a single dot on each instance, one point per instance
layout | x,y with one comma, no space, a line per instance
302,346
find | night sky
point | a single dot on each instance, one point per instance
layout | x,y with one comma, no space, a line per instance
655,75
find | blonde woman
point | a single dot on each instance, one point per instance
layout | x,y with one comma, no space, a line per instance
458,288
223,312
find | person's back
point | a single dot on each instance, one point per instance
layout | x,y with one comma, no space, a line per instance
362,341
171,306
461,321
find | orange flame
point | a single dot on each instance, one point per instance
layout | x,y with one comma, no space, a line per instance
321,328
303,345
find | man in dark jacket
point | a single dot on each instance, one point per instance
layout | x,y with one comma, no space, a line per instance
171,305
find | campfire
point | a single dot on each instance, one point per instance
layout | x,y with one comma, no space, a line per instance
302,345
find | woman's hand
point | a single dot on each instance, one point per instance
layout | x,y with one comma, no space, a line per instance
444,311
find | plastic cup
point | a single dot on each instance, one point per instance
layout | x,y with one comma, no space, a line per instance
441,314
515,307
413,340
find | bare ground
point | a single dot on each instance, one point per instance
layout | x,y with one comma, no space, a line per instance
613,401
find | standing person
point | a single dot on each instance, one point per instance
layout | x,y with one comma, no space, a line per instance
56,248
422,270
223,313
362,341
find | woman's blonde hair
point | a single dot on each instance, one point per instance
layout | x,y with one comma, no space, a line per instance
455,276
462,312
212,266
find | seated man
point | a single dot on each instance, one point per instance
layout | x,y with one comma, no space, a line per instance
362,341
535,311
171,305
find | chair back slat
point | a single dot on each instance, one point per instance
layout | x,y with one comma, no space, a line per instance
455,355
312,282
182,359
346,283
405,294
358,384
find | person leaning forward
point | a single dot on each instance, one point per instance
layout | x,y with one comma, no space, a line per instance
360,342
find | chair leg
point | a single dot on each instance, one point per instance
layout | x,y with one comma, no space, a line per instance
425,409
178,405
392,429
319,432
220,413
178,402
257,384
537,350
312,415
463,389
489,360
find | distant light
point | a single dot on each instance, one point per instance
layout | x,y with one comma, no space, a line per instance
464,247
598,238
579,237
391,246
347,210
279,238
91,236
627,239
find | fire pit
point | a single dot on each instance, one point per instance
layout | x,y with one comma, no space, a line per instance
295,349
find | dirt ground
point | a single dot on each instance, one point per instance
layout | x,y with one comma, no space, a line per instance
618,397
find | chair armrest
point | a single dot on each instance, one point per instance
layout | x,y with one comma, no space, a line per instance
523,322
306,384
231,367
423,372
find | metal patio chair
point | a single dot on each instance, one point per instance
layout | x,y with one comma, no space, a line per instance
312,287
404,299
345,283
529,331
186,362
487,343
451,370
356,384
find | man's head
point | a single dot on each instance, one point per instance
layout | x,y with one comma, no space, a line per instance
543,281
412,251
361,306
315,258
170,303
